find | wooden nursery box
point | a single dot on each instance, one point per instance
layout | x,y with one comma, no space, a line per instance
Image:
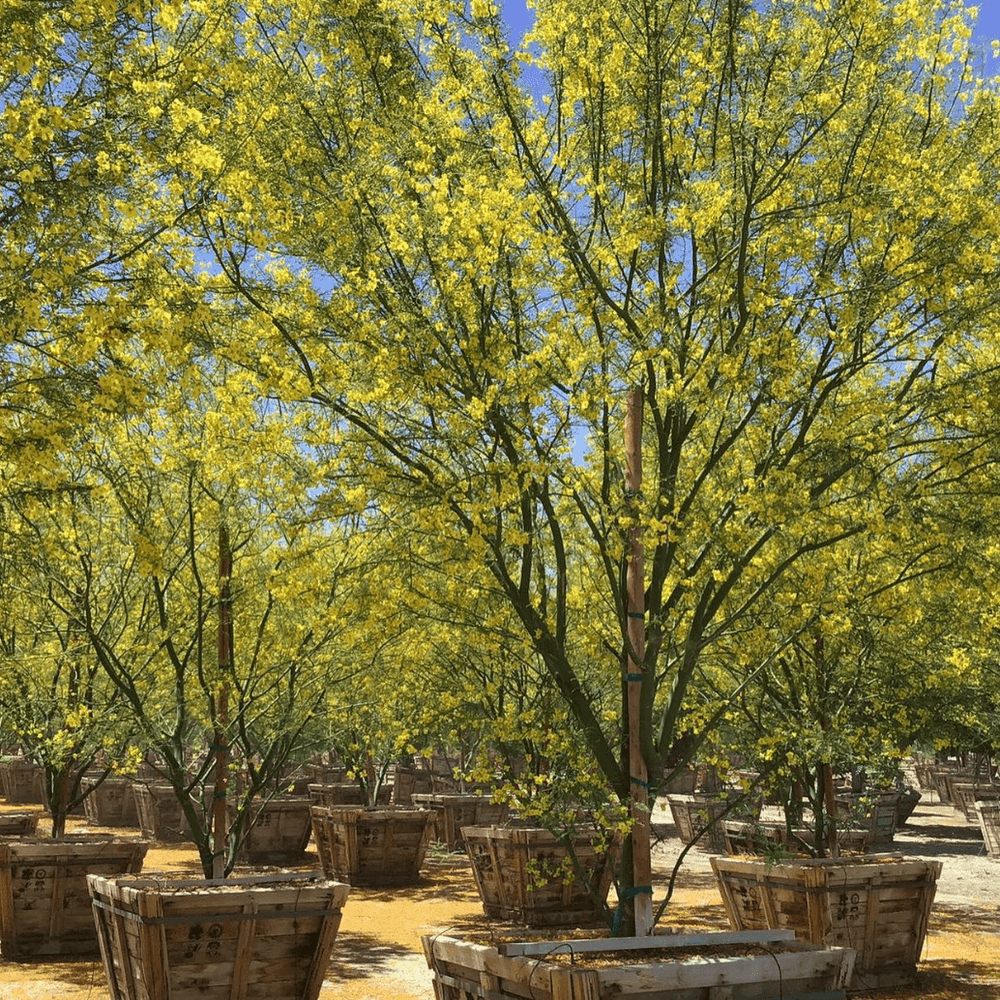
943,777
988,814
877,813
384,846
160,815
679,781
877,904
526,875
18,824
693,813
972,778
110,802
452,812
965,794
712,966
20,781
280,833
340,793
169,937
907,803
410,780
922,770
345,793
327,774
44,900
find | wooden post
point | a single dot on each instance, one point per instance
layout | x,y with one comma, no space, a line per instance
829,794
636,630
371,780
221,749
830,807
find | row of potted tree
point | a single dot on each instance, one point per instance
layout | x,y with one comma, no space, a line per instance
532,876
338,282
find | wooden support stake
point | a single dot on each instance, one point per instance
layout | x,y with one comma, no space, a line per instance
636,631
220,819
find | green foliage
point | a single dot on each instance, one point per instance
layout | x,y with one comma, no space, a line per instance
408,296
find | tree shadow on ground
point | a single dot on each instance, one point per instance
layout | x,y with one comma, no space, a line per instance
688,880
952,919
930,840
660,831
448,879
72,971
693,918
194,867
473,923
944,982
361,956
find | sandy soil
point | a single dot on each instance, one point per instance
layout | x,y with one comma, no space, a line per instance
378,953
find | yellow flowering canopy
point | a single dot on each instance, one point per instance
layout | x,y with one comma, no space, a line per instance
452,260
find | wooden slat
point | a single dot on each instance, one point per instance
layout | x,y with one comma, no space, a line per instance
103,926
8,926
321,954
243,952
723,971
152,942
817,904
655,942
112,942
464,970
57,901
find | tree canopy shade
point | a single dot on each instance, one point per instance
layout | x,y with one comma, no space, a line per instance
779,221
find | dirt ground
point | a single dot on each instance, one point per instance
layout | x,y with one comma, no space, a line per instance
378,952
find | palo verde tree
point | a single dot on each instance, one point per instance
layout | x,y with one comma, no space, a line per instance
77,199
776,222
55,702
844,647
494,706
143,580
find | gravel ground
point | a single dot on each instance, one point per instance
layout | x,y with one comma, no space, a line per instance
968,876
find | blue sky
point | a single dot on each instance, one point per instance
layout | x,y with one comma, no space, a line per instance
989,20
